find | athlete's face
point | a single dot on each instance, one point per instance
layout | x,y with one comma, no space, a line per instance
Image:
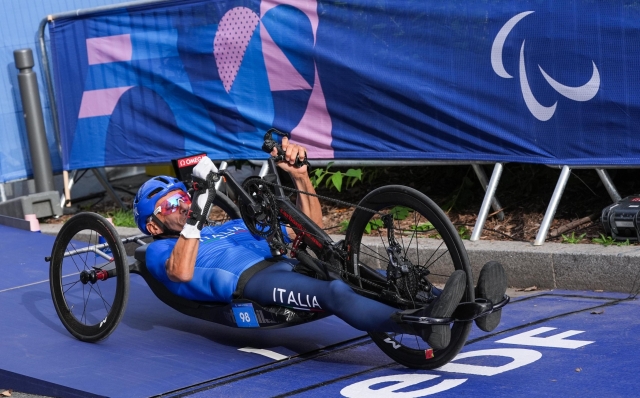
172,210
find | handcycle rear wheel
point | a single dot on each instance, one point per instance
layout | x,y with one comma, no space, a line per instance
429,241
89,302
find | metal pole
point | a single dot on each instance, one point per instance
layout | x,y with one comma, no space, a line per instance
482,177
608,184
105,184
32,111
486,203
553,206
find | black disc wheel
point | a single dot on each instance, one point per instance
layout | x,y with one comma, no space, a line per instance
431,249
223,210
89,277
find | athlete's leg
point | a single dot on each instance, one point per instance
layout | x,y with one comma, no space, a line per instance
278,285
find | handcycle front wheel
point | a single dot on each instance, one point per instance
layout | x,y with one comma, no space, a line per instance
430,242
89,277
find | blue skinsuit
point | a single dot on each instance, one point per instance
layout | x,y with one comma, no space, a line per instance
229,249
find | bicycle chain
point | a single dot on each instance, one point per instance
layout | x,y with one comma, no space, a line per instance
341,271
273,184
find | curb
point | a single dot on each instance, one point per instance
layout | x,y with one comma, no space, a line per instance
53,229
550,266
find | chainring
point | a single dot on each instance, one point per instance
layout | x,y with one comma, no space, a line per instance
263,222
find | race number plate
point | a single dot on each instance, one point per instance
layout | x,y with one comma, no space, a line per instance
245,315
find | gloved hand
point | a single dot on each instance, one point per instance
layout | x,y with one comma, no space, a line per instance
203,168
204,193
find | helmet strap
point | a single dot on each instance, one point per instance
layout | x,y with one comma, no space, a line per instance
166,232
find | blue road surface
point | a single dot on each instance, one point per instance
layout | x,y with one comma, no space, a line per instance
558,343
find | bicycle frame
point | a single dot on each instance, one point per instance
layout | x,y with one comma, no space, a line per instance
325,248
306,230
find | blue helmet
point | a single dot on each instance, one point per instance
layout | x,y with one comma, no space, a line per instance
145,201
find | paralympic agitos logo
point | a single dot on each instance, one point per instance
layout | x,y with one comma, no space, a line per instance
541,112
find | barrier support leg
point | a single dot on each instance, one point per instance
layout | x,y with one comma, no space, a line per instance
608,184
488,200
553,206
66,197
482,176
105,184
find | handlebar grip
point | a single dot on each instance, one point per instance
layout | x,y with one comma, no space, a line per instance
270,143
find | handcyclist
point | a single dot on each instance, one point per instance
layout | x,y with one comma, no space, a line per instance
206,264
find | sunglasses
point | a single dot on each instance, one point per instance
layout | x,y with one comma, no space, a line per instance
172,203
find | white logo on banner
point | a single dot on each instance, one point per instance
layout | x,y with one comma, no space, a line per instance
541,112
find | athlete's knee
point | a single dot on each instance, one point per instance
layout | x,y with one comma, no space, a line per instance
340,291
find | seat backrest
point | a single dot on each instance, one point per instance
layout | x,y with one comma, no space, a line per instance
141,253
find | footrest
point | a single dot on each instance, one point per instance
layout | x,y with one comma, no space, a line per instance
471,311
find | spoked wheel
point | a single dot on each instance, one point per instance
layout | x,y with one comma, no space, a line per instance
89,277
429,243
223,210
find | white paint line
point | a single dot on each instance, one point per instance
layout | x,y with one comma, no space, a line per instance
266,353
34,283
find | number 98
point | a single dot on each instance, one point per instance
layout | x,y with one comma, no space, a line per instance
244,316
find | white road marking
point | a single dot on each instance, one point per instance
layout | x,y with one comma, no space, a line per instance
266,353
34,283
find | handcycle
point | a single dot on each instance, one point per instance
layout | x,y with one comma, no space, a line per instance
399,247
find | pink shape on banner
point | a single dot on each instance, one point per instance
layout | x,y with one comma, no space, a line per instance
308,7
100,102
230,43
314,130
102,50
282,74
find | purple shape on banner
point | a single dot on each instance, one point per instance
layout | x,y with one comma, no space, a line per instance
100,102
230,43
308,7
103,50
314,129
282,75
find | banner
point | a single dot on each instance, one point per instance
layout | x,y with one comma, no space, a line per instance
510,81
19,20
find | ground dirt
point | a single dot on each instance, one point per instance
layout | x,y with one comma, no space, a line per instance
524,193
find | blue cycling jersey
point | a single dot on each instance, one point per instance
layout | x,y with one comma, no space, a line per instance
229,249
225,252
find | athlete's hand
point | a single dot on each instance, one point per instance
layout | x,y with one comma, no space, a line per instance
204,167
201,201
292,151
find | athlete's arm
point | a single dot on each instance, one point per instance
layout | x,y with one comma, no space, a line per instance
309,205
182,261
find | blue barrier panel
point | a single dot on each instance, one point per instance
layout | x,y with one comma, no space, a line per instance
19,21
509,81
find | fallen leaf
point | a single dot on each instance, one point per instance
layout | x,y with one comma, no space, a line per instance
578,369
597,312
6,393
527,289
